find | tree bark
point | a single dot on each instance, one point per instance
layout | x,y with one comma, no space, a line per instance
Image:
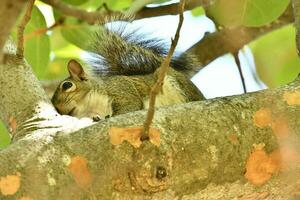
204,147
9,12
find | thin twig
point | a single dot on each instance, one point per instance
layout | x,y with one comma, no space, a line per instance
162,70
100,16
90,17
21,28
171,9
238,63
42,31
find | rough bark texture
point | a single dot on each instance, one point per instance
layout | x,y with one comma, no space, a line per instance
16,72
9,12
195,158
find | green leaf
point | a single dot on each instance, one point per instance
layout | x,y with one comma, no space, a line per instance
198,11
92,4
160,1
275,57
79,34
70,51
58,68
4,137
232,13
37,43
75,2
57,41
118,5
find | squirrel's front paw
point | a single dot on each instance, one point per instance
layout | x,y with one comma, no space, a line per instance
97,118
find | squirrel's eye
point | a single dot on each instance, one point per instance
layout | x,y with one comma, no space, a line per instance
68,86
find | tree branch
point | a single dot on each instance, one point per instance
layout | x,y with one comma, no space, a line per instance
232,40
9,12
89,17
238,64
101,16
21,28
296,9
172,9
204,145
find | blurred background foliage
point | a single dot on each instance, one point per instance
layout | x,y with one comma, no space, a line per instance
48,47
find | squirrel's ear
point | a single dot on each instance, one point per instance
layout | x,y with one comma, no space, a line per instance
75,70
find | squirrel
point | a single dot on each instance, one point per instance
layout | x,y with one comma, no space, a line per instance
123,71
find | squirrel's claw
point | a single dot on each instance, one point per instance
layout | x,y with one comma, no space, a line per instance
96,118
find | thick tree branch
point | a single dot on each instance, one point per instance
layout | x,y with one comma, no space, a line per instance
296,8
89,17
227,40
101,16
9,12
172,9
203,145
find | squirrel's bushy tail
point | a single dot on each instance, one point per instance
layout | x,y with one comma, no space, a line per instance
128,52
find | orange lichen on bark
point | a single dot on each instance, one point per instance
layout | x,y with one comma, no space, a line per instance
292,98
132,135
10,184
280,128
260,167
279,125
154,136
80,172
263,117
233,138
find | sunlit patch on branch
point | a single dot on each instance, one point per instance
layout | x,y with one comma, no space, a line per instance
280,128
132,135
287,157
10,184
233,138
292,98
80,172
